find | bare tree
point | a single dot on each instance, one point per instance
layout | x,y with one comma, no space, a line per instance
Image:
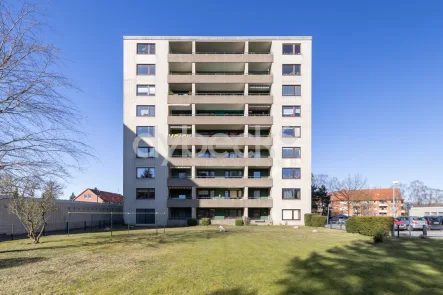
38,122
30,210
349,190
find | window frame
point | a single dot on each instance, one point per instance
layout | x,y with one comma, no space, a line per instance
145,134
150,108
150,71
293,45
136,172
293,152
151,149
299,214
294,113
151,190
295,92
293,169
293,129
149,86
149,45
294,72
296,190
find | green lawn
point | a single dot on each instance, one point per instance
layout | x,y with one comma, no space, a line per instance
200,260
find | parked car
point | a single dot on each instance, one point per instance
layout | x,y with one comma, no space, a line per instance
338,219
414,222
401,224
435,222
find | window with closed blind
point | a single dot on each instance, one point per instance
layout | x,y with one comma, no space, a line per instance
291,214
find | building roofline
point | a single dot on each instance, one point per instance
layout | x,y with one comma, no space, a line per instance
218,38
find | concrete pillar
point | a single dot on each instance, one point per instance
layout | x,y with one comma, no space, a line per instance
245,212
193,89
193,151
194,192
194,212
193,108
246,151
246,68
193,131
246,109
246,46
193,69
246,193
246,171
246,130
193,46
246,91
193,171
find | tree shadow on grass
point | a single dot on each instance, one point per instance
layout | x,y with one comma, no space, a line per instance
410,266
234,291
12,262
150,239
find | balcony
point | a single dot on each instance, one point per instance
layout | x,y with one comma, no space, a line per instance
220,203
227,141
220,98
216,182
221,57
225,119
221,77
220,162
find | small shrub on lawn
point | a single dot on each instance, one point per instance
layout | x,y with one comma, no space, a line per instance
239,222
318,221
308,218
205,221
192,222
370,225
380,236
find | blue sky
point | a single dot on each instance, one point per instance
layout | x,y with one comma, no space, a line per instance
377,79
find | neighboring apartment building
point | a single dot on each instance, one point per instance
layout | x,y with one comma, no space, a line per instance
368,202
217,127
97,196
427,210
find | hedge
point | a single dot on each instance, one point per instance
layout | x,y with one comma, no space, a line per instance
369,225
318,221
308,217
239,222
192,222
205,221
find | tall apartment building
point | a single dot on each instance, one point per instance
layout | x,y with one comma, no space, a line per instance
217,127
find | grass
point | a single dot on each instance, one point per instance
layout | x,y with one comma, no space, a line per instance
200,260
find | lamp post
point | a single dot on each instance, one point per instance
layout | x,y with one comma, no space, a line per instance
394,209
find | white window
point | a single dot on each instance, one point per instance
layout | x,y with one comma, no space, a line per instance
291,214
145,90
291,131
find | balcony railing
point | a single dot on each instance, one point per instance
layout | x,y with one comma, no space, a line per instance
178,198
220,52
201,176
181,177
254,198
219,73
220,115
219,94
258,177
216,198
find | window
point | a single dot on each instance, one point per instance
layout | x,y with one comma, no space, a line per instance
291,131
426,213
145,111
145,216
145,48
291,214
145,90
291,70
291,111
233,213
291,49
291,194
145,194
291,90
145,69
291,152
145,131
146,172
291,173
257,194
145,152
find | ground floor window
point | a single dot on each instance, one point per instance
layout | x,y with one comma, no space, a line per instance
291,214
180,213
145,216
205,213
233,213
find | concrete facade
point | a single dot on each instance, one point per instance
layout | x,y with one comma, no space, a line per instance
426,211
224,94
